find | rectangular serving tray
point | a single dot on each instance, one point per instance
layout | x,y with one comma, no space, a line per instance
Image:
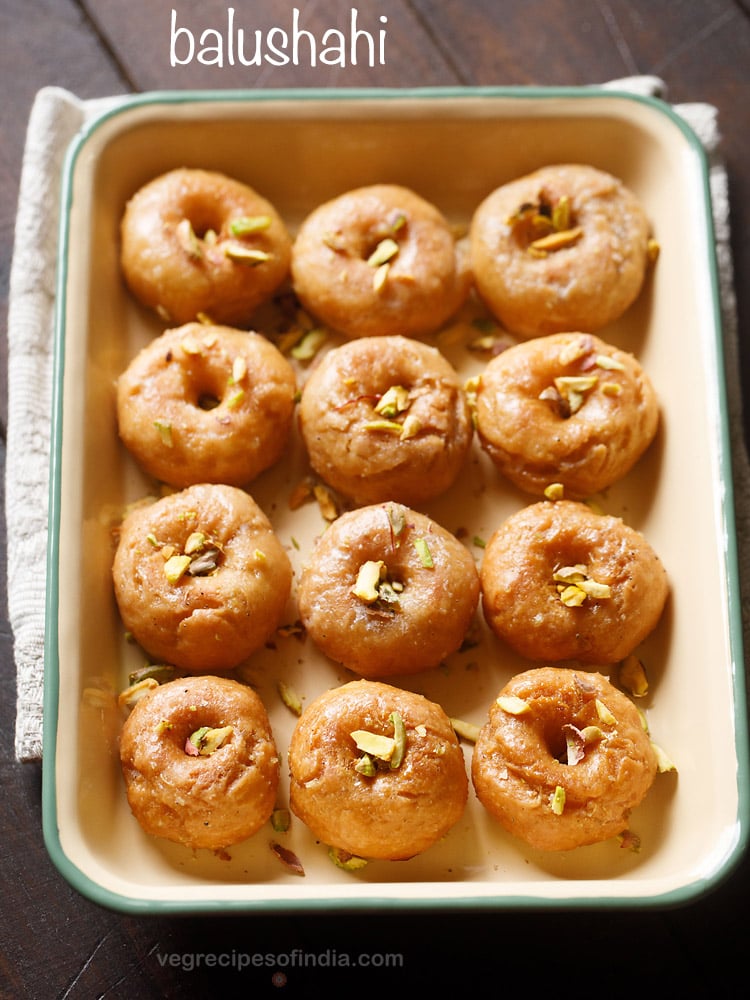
453,147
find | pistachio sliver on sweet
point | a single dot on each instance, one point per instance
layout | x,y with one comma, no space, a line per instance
373,744
393,401
368,581
399,736
247,224
207,740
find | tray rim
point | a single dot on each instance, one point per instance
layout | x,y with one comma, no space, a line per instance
318,901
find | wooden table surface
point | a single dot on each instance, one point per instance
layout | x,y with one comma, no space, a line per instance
54,943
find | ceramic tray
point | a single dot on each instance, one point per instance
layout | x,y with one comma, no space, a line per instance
453,147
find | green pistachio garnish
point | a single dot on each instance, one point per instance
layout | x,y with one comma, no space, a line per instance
188,239
380,277
195,542
557,800
160,672
343,859
133,694
632,676
397,519
574,585
204,563
424,553
663,762
290,697
373,744
556,241
368,581
410,427
235,399
239,370
609,363
393,401
365,766
245,255
165,432
175,568
288,858
207,740
465,730
247,224
399,735
391,426
629,841
604,713
555,491
163,726
561,213
281,820
309,344
385,251
512,704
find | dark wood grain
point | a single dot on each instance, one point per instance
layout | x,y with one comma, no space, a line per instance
55,944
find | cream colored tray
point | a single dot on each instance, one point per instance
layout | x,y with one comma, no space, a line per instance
453,147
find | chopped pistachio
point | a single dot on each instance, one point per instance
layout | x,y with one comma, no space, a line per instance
574,350
557,240
561,213
609,363
309,345
239,369
423,551
365,766
385,250
204,563
393,401
334,241
288,858
163,726
343,859
557,800
290,697
207,740
133,694
245,255
595,590
632,676
247,224
663,762
165,432
574,745
160,672
629,841
391,426
175,568
399,735
326,502
465,730
382,747
572,596
604,713
281,820
190,346
592,734
380,277
195,542
397,518
611,388
368,581
420,730
555,491
411,426
188,239
512,704
653,249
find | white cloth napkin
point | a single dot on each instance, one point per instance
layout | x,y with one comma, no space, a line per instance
55,119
